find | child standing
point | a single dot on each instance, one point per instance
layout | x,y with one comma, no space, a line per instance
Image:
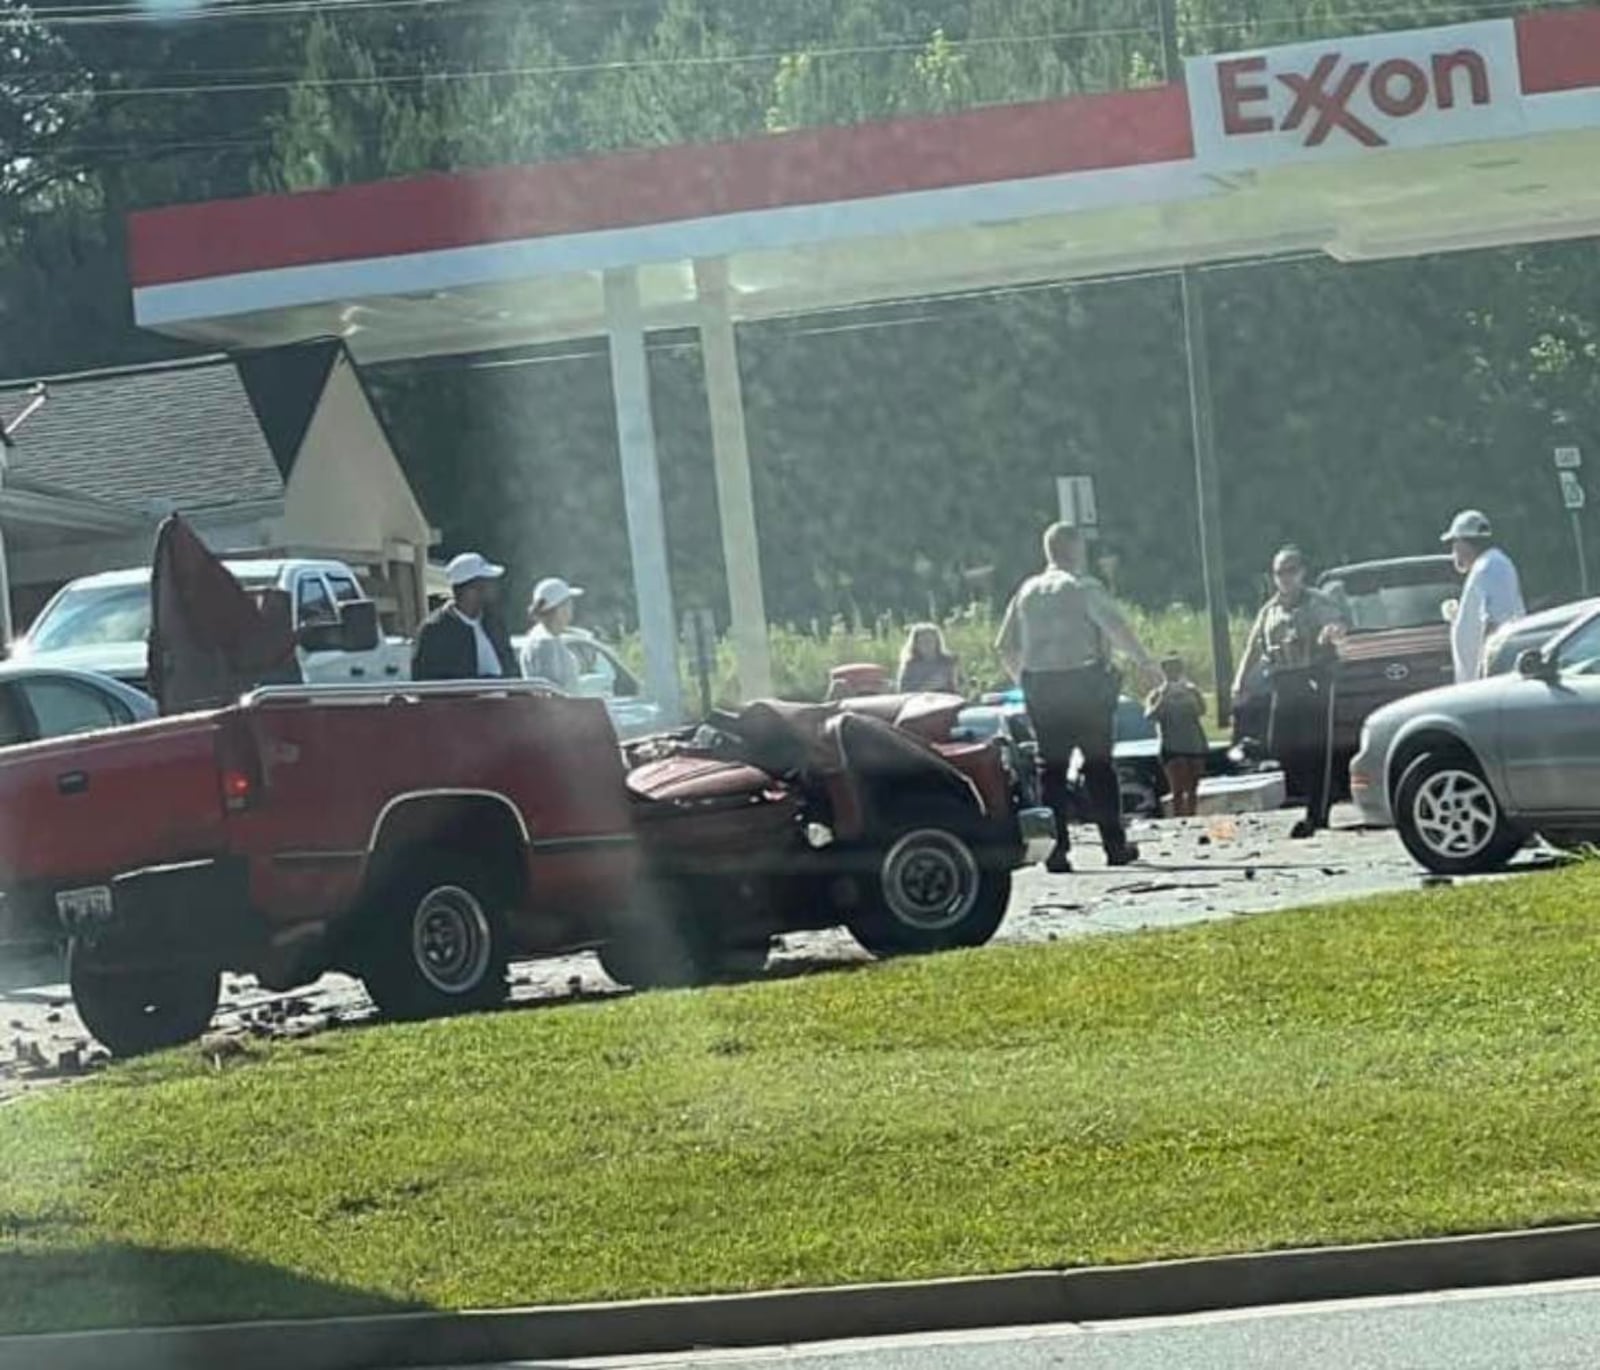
1177,707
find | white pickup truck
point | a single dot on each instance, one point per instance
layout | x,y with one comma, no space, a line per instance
101,623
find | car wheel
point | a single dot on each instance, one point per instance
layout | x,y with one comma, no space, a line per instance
434,942
1449,817
1141,792
662,941
132,1012
930,888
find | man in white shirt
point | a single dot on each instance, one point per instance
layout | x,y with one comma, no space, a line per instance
1491,595
462,641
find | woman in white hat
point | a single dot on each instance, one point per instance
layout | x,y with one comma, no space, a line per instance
544,655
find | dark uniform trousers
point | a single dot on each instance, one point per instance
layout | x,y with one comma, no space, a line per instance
1297,734
1077,710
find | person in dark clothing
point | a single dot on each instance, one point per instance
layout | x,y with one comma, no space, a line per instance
464,640
1056,640
926,663
1296,634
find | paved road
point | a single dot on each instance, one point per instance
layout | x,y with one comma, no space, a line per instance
1191,871
1538,1327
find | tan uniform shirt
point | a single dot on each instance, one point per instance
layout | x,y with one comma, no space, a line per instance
1287,636
1058,621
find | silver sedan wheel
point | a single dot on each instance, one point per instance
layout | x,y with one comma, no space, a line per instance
451,940
1455,813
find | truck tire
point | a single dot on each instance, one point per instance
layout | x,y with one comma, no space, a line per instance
433,942
132,1012
660,941
1450,818
930,888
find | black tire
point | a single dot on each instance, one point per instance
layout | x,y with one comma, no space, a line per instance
433,943
133,1012
1450,818
662,941
930,887
1142,788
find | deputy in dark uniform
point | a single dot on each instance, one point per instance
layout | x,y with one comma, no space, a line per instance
1296,635
1056,641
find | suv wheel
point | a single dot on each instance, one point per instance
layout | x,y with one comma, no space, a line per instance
1449,817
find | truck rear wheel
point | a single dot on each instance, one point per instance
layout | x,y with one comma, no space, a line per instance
434,942
131,1012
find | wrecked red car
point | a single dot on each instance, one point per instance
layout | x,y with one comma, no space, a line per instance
786,817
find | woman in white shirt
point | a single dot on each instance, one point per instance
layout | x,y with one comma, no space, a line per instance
544,655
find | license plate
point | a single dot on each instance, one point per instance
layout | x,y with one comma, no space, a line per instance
91,905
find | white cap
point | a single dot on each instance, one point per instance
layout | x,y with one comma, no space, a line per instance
552,592
471,566
1471,524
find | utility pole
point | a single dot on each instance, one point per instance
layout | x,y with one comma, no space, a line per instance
36,399
1207,485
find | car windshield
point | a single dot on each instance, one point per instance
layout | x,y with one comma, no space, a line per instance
1379,608
94,616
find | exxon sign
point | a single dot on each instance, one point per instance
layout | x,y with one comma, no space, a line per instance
1354,96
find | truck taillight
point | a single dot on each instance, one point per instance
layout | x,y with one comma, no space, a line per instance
238,767
238,789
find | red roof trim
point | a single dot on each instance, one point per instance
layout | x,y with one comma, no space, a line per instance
631,189
1559,50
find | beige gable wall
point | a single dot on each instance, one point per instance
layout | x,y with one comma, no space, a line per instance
347,492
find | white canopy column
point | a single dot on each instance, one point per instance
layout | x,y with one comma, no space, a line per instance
736,509
641,487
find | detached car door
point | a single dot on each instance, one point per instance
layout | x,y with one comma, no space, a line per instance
1550,731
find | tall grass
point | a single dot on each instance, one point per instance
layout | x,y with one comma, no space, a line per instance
803,656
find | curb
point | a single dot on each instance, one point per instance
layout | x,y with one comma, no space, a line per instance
1097,1294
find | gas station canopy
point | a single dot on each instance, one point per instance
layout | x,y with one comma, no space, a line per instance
1380,146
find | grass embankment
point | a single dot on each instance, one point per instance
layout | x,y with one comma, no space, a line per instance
1411,1065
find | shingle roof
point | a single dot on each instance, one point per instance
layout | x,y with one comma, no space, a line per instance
181,434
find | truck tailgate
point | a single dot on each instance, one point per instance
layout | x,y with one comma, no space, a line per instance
81,809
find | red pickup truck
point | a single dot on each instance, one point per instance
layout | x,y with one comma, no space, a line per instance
419,839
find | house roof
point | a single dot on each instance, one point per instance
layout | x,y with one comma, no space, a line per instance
195,434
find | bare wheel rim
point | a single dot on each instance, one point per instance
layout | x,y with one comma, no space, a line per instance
450,939
1455,814
930,880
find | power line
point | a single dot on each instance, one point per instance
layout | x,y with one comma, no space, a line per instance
703,60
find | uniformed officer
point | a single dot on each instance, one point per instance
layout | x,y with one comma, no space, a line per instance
1296,636
1056,641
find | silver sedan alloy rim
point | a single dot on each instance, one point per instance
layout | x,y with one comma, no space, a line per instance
451,940
1455,814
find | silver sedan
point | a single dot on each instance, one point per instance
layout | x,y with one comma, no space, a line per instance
1468,773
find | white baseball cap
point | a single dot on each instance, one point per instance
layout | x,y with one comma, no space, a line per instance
552,592
471,566
1469,524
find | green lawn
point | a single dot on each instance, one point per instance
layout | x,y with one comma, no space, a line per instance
1410,1065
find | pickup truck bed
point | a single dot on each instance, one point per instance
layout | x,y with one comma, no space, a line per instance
418,836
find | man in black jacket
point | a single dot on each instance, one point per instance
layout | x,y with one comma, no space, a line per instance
463,640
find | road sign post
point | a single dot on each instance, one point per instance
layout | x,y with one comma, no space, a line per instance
1569,461
1076,504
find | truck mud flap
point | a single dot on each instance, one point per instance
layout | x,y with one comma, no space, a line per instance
190,911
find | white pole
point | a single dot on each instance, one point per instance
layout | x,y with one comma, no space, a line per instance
5,569
736,507
641,489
